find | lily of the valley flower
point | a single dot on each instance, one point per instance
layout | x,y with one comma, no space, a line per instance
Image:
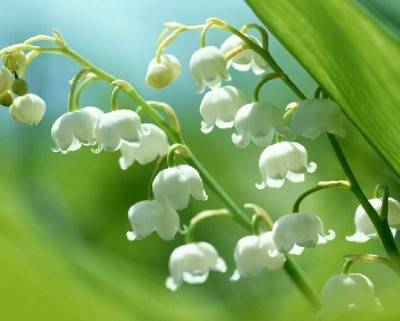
153,142
258,122
208,68
365,230
149,216
6,80
246,59
348,295
191,263
116,127
314,117
219,107
254,253
173,186
301,229
284,160
73,129
161,74
28,109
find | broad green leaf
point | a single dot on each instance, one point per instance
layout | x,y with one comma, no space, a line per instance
351,55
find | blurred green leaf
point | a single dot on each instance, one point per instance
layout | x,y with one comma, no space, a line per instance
351,55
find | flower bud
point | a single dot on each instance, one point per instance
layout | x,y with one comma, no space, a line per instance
192,263
161,74
15,61
28,109
6,99
20,87
208,68
6,80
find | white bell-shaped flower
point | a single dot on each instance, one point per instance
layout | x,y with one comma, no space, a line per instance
76,128
173,186
28,109
219,107
348,295
284,160
192,263
365,230
208,68
161,74
254,253
149,216
153,142
246,59
116,127
257,121
314,117
301,229
6,79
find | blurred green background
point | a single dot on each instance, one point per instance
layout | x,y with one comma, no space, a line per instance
63,218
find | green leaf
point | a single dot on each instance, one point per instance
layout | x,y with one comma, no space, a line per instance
349,54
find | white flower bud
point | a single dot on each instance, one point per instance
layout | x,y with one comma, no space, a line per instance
153,142
301,229
348,295
284,160
160,75
73,129
254,253
219,107
365,230
246,59
258,122
149,216
208,68
173,186
191,263
6,79
116,127
28,109
314,117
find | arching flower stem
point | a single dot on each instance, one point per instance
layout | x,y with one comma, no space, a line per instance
74,83
267,78
351,259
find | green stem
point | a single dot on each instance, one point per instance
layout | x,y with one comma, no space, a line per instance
267,78
114,98
351,259
74,83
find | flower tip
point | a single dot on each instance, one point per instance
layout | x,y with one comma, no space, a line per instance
260,186
235,276
170,284
206,128
312,167
131,236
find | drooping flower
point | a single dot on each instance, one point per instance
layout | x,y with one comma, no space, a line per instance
116,127
301,229
254,253
161,74
6,80
314,117
76,128
257,121
153,142
191,263
365,230
284,160
348,295
219,107
246,59
173,186
149,216
208,68
28,109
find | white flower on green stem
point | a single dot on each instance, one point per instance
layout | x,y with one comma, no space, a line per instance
254,253
117,127
6,79
149,216
161,74
28,109
153,142
173,186
284,160
348,295
257,122
192,263
76,128
365,230
314,117
219,107
208,68
246,59
301,229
